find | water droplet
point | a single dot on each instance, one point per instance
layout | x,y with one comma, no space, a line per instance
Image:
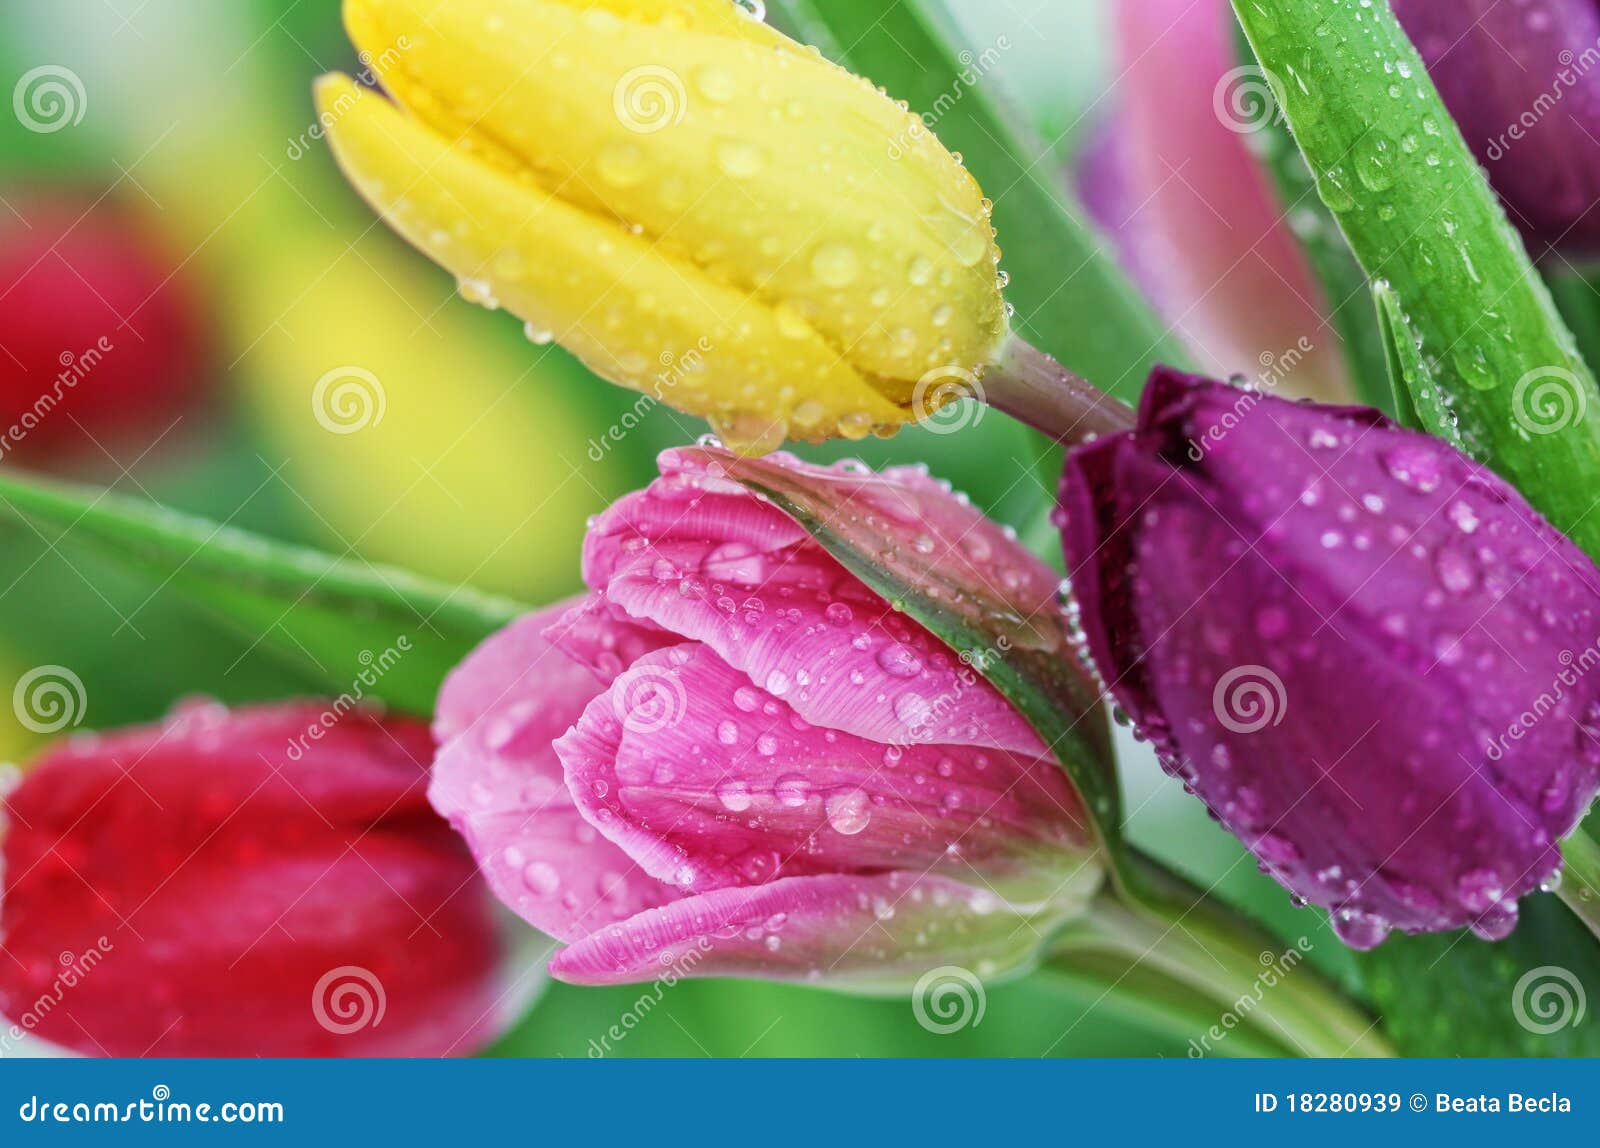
792,790
835,265
899,660
734,795
849,812
541,878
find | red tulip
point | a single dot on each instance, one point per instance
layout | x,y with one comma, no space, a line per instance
266,881
100,338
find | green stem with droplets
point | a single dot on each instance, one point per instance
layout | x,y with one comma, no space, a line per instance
1580,880
1417,211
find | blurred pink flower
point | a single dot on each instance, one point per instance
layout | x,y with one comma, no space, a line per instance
1171,177
734,758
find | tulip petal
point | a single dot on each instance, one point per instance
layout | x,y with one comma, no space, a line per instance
1520,83
707,781
703,557
670,126
500,784
1338,555
1198,210
617,300
874,933
219,876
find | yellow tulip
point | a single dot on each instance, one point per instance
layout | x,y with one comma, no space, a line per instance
700,208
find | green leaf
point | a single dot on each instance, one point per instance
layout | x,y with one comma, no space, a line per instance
1416,393
1072,300
1418,212
353,627
1022,654
1449,994
1344,283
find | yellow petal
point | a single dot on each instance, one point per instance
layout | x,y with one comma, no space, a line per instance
765,166
635,315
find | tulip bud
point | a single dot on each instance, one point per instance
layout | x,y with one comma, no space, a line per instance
1365,653
264,882
99,335
734,758
644,180
1520,82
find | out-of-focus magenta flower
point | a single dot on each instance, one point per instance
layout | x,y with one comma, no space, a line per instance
100,336
733,758
1520,81
1366,653
1172,179
262,882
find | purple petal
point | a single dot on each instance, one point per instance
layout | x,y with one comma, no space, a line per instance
1520,81
1329,626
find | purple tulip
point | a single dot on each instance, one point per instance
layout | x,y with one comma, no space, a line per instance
1365,653
1522,81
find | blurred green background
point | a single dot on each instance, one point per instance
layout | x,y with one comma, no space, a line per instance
195,132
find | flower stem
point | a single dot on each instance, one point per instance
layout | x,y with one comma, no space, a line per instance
1231,988
1030,386
1580,879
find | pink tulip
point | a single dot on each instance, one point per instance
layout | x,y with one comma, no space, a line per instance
1195,217
733,758
267,881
